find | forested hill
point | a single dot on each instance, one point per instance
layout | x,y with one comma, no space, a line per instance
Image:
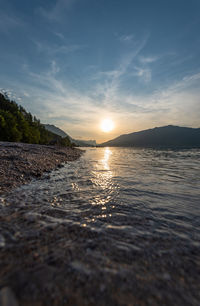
165,136
16,124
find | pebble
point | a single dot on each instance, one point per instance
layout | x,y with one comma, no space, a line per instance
166,276
2,241
7,297
21,162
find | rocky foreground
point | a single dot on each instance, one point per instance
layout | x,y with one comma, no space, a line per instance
20,162
49,256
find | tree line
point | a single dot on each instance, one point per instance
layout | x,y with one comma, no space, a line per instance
16,124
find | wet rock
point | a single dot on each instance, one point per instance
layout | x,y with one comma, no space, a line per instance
166,276
7,297
2,241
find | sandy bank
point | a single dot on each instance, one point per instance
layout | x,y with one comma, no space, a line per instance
20,163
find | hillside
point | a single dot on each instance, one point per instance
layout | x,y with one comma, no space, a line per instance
17,125
77,142
166,136
84,143
54,129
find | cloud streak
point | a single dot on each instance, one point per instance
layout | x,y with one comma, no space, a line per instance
126,38
56,12
57,50
9,22
58,103
148,59
109,88
73,110
124,89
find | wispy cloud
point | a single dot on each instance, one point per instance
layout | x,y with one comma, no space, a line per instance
60,103
148,59
178,103
179,86
56,102
59,35
10,94
54,68
108,89
56,49
137,76
126,38
56,12
9,22
143,74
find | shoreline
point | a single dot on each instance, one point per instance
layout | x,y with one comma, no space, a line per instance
57,248
22,162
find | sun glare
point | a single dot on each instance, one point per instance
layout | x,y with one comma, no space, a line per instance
107,125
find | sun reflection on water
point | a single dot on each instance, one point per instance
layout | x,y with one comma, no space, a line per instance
103,180
101,187
105,160
102,176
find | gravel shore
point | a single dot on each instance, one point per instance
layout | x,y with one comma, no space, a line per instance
57,247
20,162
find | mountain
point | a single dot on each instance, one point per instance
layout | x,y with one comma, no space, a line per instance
166,136
85,143
54,129
81,143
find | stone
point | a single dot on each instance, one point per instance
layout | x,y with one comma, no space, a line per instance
7,297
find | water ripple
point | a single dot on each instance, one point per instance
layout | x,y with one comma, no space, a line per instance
128,194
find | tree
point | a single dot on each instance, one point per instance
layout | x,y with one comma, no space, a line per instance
16,124
9,131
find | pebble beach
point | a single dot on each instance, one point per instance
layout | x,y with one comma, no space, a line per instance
20,162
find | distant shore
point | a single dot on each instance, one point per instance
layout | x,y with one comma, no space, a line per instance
20,162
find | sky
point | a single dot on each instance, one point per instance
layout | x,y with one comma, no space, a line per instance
73,63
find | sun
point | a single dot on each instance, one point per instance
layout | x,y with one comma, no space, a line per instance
107,125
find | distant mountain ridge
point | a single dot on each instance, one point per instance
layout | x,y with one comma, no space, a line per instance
82,143
54,129
85,143
165,136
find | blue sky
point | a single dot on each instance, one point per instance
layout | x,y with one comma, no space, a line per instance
73,63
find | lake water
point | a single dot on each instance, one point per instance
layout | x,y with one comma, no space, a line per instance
135,219
135,191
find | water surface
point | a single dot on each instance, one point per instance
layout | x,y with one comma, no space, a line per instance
119,226
134,191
